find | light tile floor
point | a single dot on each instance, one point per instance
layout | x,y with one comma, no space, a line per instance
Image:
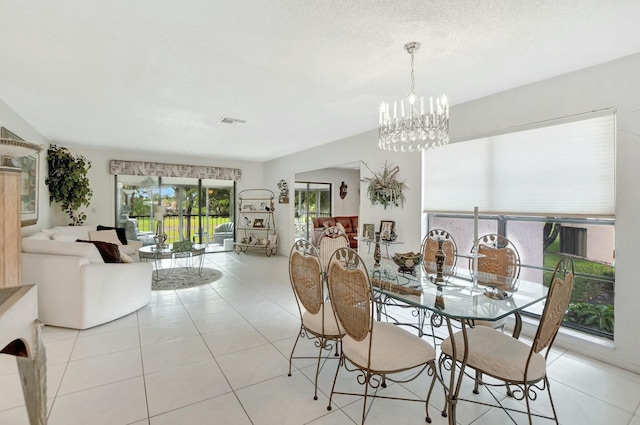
218,354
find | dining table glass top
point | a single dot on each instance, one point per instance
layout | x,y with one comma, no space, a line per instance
456,298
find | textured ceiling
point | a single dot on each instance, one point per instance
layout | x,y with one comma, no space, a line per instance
157,75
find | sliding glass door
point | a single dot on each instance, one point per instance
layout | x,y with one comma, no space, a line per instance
311,200
193,208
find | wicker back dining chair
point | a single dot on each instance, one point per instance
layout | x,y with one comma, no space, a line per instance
500,265
375,349
520,367
498,270
331,239
317,320
430,247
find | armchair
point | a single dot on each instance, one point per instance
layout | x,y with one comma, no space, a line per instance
223,231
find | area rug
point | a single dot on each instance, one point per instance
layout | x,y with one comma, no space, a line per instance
183,277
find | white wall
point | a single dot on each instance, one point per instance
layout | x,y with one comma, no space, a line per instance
614,84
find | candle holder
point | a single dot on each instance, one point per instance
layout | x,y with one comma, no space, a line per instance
376,252
160,237
439,304
475,265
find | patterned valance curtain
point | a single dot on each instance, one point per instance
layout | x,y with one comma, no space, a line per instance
157,169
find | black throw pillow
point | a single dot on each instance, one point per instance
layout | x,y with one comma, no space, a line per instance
122,234
108,251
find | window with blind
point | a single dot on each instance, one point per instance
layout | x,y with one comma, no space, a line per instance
562,169
551,191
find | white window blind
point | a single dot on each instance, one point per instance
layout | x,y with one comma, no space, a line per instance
564,169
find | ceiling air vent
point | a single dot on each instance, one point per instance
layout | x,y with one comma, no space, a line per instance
229,120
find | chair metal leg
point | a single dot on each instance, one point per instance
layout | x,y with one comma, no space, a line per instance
294,349
323,341
553,407
335,378
526,399
478,380
366,394
432,365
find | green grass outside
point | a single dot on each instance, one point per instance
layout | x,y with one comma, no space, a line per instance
586,289
171,226
592,298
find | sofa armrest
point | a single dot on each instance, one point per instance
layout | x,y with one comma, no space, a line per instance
75,293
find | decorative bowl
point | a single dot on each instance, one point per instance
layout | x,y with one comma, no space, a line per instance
407,261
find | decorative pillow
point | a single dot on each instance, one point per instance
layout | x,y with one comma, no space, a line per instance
125,258
105,236
109,251
329,223
121,232
340,226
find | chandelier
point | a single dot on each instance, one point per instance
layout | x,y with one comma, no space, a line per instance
419,128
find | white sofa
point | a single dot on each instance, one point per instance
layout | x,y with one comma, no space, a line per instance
76,288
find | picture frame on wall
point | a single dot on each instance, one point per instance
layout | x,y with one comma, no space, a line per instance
387,230
28,182
368,231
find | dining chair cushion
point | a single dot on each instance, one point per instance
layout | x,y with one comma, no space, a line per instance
393,349
313,322
497,354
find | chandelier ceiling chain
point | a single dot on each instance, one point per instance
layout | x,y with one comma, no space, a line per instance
417,130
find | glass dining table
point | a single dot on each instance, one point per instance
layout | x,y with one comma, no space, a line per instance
455,303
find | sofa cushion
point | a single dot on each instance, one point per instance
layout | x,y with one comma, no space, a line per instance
121,232
328,223
108,251
105,236
346,223
38,246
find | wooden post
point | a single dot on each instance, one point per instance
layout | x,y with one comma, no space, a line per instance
10,254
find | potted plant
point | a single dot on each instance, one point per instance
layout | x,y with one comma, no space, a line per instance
383,188
68,182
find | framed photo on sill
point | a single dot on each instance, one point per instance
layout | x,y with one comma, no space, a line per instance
368,231
28,183
258,222
387,230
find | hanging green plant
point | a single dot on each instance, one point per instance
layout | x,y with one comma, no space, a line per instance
383,188
68,182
